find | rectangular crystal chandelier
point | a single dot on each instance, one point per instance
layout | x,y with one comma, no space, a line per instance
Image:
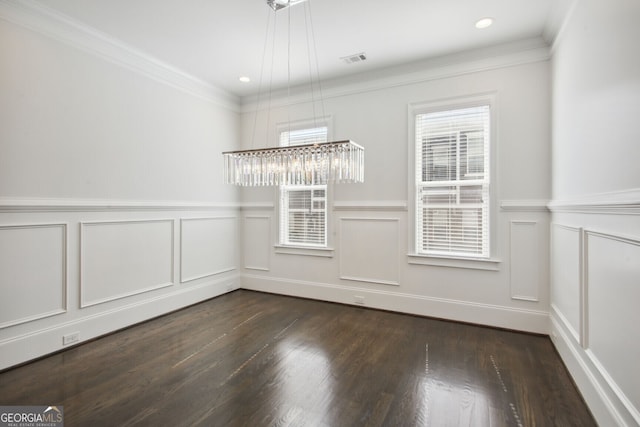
300,164
307,164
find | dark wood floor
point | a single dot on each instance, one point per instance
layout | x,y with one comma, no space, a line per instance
254,359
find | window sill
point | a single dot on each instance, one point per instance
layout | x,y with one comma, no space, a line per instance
490,264
304,250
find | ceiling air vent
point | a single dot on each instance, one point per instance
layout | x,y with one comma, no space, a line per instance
356,57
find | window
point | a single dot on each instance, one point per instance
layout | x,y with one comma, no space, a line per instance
303,209
452,182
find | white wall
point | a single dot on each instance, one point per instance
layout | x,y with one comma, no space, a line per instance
596,198
77,126
596,77
370,222
112,204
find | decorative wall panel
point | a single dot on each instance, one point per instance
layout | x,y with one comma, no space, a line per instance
613,292
33,272
124,258
257,242
208,246
525,260
370,250
566,294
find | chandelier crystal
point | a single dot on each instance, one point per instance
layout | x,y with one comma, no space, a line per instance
307,164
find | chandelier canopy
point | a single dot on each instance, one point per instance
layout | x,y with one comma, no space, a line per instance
304,164
281,4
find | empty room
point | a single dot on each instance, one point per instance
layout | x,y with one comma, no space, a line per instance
319,212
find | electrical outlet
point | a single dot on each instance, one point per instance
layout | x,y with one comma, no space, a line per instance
71,338
358,299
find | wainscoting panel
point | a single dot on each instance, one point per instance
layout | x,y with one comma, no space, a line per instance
566,294
257,242
207,246
124,258
613,291
369,250
33,272
525,260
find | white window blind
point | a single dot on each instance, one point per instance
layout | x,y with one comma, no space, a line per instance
303,136
452,182
303,218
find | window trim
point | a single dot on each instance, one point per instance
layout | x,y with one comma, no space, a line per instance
282,220
317,251
492,262
326,250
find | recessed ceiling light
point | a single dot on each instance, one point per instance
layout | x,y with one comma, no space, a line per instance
484,23
244,79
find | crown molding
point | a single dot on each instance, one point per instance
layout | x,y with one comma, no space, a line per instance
473,61
42,19
625,202
559,18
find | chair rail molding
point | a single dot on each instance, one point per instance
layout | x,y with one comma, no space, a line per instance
625,202
524,205
88,205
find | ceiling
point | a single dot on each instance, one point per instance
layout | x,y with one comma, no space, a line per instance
218,41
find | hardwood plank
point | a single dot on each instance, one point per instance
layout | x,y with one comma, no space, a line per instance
255,359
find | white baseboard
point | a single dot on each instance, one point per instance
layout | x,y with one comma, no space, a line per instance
605,407
21,349
462,311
